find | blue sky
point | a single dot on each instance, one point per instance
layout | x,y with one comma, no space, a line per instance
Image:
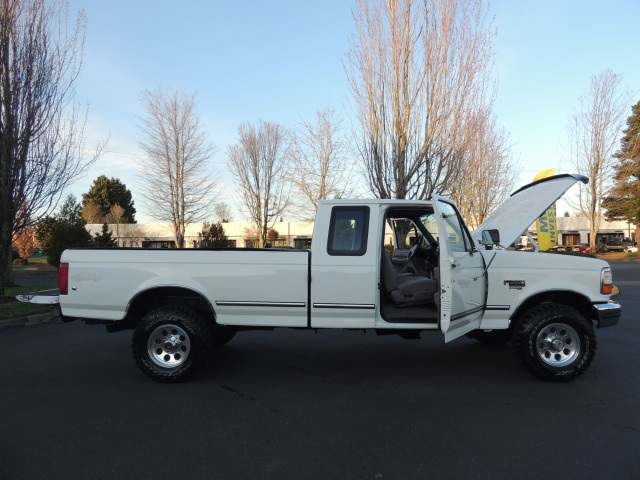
281,61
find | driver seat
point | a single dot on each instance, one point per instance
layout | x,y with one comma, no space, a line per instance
406,289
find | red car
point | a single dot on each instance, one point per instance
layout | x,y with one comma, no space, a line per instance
584,248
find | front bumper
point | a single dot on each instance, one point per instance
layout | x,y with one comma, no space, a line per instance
607,314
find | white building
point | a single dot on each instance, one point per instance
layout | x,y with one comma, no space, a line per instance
571,231
575,230
160,235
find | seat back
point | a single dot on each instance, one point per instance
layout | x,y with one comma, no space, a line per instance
388,273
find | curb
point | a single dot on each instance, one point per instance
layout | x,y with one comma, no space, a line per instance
35,273
28,320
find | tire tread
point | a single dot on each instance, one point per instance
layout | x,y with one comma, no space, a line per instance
190,320
523,341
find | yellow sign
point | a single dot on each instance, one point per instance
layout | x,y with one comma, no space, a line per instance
546,225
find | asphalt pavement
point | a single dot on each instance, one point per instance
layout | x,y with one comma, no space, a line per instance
304,405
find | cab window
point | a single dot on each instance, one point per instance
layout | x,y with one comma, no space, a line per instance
348,231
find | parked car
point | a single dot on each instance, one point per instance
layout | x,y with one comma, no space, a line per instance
584,248
614,245
561,248
630,246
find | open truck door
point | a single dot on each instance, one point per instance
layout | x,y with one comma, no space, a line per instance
461,273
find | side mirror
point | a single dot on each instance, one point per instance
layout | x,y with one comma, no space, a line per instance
491,237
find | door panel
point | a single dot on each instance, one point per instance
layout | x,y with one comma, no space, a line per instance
461,268
345,273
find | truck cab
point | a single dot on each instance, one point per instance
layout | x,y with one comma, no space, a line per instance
428,277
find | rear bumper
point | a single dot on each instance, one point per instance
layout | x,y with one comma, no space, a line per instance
607,314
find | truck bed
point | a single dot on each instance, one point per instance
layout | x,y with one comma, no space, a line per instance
244,286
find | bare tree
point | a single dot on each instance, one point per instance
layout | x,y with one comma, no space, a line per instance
117,217
222,212
488,170
593,133
258,161
320,162
92,213
133,234
418,70
179,186
41,128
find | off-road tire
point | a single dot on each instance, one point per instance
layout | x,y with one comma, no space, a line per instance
171,343
554,342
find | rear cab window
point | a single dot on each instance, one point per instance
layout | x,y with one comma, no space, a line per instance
348,231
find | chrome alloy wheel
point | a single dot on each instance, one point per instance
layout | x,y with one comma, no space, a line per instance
168,346
558,344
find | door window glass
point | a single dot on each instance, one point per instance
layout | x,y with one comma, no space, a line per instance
456,232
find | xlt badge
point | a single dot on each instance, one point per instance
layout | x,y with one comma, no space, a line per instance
515,284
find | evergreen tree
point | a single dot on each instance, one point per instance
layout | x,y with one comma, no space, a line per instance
44,231
623,203
212,236
103,195
66,231
104,239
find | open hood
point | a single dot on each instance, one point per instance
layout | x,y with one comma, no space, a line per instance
525,205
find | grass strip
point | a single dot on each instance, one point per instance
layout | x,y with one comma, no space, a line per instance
11,308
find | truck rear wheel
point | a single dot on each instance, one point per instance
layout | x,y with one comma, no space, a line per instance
171,343
555,342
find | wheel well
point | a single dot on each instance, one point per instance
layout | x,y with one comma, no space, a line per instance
151,299
562,297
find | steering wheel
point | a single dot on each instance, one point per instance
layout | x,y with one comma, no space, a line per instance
414,248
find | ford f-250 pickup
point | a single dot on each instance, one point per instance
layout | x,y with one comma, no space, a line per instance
438,277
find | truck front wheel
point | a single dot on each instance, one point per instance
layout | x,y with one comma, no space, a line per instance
555,342
170,343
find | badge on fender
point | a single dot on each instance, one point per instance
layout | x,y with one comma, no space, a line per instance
515,284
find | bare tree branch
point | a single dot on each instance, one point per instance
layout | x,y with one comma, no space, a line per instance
222,212
593,132
41,128
179,183
489,173
258,161
320,162
419,71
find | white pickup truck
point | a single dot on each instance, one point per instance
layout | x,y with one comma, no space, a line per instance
438,277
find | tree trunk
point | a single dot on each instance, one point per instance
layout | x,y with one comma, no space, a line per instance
6,271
